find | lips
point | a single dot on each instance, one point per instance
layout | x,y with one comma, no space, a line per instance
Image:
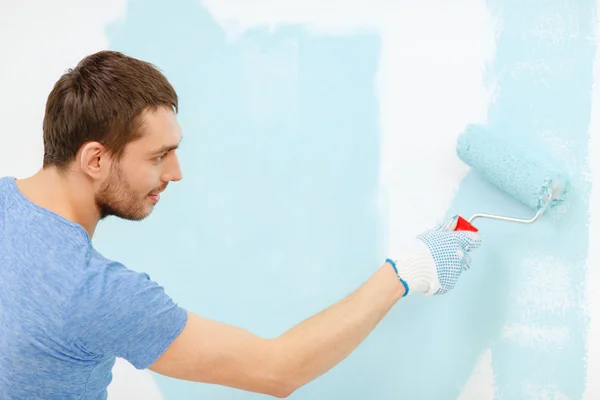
155,197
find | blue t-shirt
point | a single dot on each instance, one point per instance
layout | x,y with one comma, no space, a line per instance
67,312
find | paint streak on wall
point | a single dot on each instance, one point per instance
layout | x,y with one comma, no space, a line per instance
530,284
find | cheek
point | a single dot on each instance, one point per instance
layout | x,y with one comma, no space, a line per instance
145,185
142,180
150,180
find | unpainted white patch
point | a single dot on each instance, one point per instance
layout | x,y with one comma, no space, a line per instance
130,383
592,390
337,16
40,40
480,385
431,85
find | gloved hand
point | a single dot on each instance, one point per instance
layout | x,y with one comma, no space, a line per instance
432,263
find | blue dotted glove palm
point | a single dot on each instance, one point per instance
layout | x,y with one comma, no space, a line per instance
434,261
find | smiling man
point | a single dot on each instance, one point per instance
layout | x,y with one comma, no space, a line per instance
66,312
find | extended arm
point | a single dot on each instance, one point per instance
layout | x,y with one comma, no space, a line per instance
214,352
218,353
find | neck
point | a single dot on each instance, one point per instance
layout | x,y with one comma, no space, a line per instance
66,194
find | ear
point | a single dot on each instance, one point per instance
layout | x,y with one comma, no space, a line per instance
94,160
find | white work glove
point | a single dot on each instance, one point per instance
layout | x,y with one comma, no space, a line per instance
432,262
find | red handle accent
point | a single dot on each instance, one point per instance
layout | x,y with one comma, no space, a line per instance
464,225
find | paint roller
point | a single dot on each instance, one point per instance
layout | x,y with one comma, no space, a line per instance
530,177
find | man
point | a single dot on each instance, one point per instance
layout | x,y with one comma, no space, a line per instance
110,139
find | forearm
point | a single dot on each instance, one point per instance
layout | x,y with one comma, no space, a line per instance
317,344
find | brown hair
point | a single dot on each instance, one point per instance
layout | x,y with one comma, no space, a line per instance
102,99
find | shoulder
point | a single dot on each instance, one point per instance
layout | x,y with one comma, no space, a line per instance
106,282
5,182
100,266
119,311
5,189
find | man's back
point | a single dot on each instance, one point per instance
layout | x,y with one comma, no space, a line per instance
66,311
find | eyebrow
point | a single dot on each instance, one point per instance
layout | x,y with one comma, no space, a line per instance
166,148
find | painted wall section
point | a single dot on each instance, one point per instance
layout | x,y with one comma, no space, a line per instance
278,216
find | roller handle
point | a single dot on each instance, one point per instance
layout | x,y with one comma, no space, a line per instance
464,225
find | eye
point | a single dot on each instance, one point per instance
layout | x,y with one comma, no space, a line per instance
161,157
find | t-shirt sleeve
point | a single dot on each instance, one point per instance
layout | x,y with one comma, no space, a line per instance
124,313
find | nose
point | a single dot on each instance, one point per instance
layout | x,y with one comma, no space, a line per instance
173,171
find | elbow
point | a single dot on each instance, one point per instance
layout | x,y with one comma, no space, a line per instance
283,387
283,392
283,373
275,388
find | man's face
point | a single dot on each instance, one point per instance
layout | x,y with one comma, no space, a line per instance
147,166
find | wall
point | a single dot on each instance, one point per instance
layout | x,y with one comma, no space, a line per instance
316,140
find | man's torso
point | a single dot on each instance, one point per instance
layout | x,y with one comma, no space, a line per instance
66,312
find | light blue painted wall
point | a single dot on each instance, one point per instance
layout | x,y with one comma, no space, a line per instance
543,70
276,217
